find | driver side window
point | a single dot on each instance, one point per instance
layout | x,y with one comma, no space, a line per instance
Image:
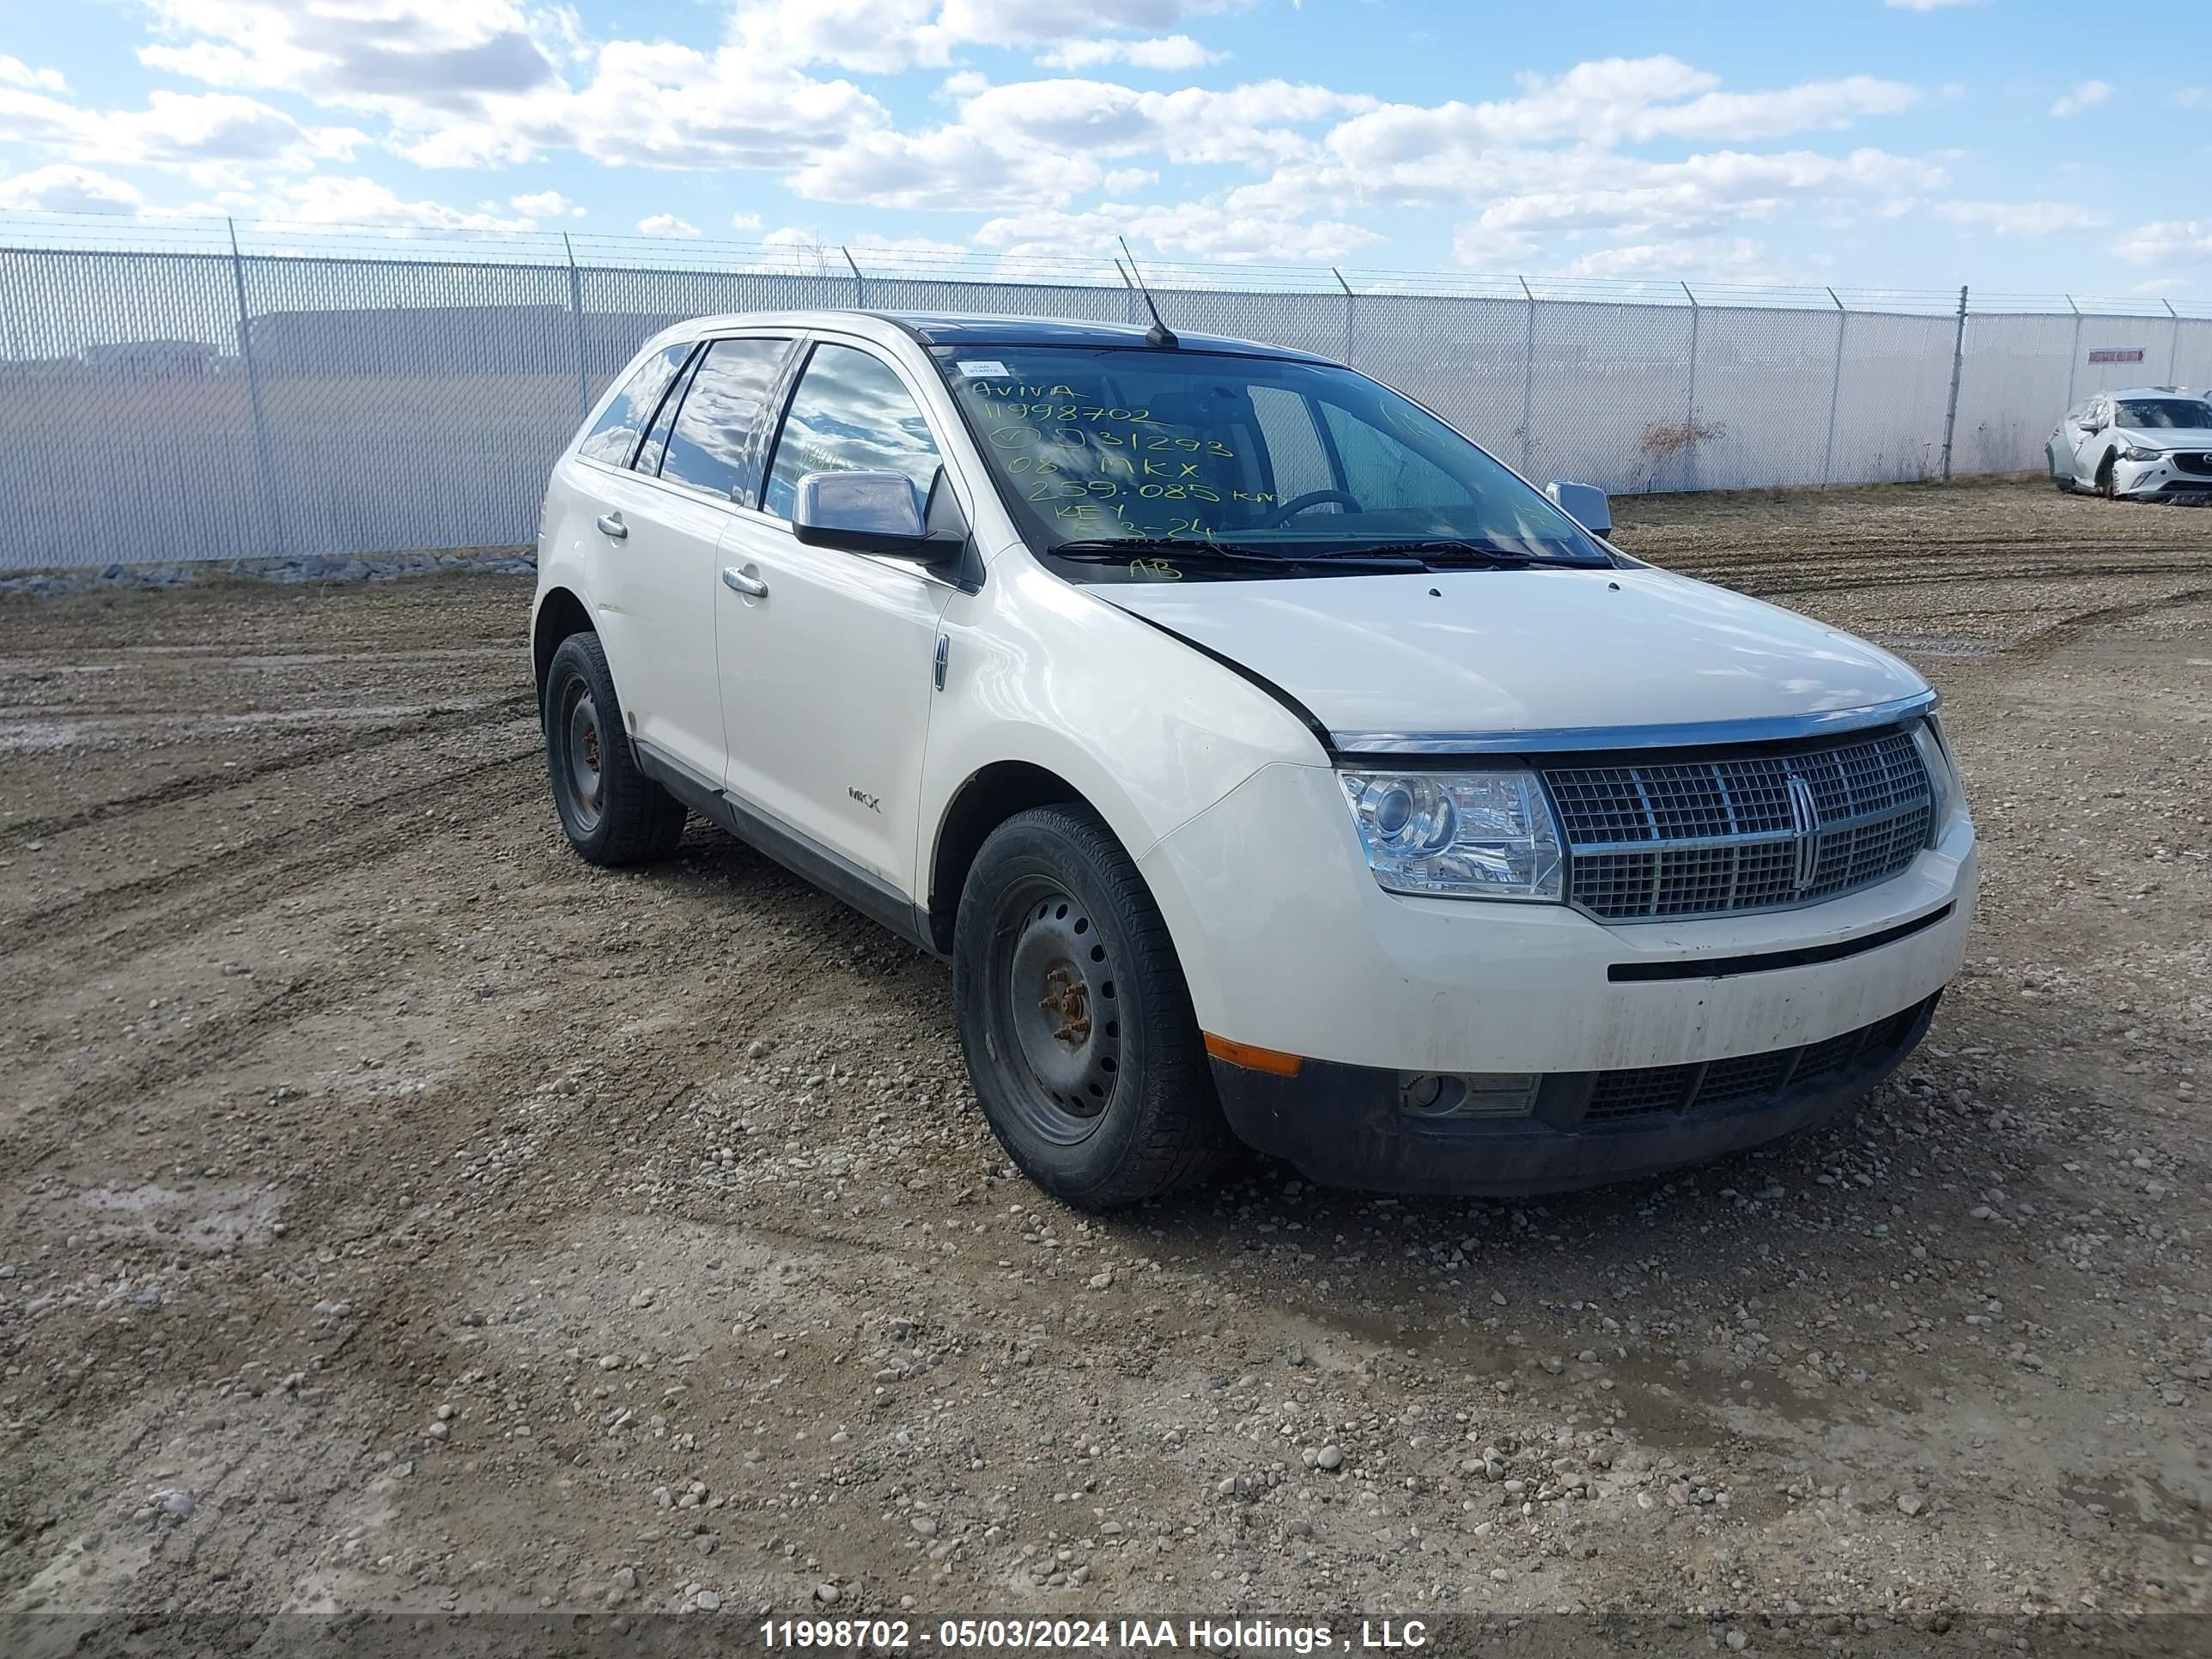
851,413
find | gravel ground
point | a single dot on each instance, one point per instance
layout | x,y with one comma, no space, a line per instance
396,1213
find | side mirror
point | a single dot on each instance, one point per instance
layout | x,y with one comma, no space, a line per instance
1584,503
867,512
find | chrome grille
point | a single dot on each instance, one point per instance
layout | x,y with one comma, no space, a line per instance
1653,840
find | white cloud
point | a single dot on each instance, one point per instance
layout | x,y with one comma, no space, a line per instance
1171,51
63,188
546,204
1031,22
393,55
15,72
1609,103
211,136
2185,241
1215,228
325,199
1124,181
665,224
876,37
1930,5
2087,96
745,222
1738,258
2023,218
1038,143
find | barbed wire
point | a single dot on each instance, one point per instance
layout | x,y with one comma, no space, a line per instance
880,259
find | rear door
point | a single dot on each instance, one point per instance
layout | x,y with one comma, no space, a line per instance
2066,440
654,573
827,669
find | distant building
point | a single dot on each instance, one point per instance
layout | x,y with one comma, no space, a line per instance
177,359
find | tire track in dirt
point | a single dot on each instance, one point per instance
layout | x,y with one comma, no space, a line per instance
259,876
196,785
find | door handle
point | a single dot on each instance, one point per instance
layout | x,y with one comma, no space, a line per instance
611,525
733,577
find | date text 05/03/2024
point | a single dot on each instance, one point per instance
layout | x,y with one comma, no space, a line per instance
996,1635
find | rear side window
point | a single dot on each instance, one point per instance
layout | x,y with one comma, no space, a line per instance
851,413
614,436
720,433
656,437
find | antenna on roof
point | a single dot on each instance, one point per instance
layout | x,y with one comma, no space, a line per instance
1159,334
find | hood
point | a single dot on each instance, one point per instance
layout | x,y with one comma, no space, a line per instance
1505,651
2167,437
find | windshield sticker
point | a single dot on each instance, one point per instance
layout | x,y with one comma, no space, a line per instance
984,371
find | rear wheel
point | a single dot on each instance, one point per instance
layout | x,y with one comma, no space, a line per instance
611,810
1075,1018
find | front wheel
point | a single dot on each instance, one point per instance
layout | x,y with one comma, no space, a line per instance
611,810
2106,486
1075,1018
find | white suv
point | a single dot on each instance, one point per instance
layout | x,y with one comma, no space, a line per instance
1267,757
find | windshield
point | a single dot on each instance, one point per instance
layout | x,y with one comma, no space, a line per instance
2167,412
1264,460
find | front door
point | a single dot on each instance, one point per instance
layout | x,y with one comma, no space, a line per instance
827,656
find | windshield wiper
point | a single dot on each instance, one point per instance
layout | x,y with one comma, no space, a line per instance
1446,553
1193,550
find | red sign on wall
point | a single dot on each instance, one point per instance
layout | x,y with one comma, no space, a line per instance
2117,354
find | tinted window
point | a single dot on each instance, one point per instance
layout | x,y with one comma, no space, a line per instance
716,444
615,433
656,440
851,413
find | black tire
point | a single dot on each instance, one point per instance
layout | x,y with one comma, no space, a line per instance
2104,485
1075,1017
612,813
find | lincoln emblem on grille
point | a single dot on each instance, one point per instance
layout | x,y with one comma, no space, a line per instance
1805,819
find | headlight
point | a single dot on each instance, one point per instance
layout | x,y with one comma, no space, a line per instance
2137,452
1943,777
1458,835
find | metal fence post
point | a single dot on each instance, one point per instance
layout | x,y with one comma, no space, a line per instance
1346,287
859,282
1958,363
576,316
2074,364
1527,379
273,515
2173,346
1835,392
1690,421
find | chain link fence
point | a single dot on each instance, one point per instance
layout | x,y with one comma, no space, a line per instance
211,402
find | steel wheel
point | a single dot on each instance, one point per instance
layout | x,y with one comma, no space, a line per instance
1056,1001
585,759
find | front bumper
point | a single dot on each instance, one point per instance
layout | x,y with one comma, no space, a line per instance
2164,479
1343,1126
1289,944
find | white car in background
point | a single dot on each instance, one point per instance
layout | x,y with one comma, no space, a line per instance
1268,760
2150,444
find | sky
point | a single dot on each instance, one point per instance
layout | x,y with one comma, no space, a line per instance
2018,147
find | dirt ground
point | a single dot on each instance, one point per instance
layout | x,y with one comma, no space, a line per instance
396,1214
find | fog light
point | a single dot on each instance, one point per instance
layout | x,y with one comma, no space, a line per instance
1469,1094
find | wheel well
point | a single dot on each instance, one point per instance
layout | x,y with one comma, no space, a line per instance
985,801
559,615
